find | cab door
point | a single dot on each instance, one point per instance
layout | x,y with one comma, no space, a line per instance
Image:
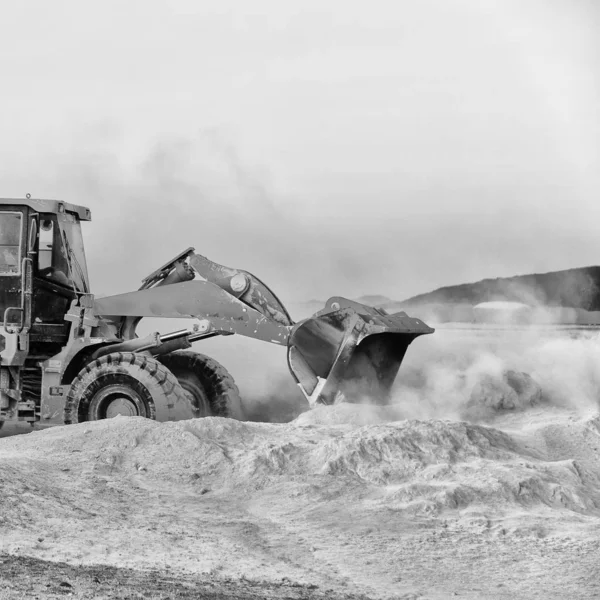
12,250
53,289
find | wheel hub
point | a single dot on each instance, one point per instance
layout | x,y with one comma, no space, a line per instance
121,406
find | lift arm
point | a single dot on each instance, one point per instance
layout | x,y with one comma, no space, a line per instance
347,349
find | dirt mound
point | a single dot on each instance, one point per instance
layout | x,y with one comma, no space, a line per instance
415,464
310,500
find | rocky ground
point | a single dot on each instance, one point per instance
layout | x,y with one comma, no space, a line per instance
24,577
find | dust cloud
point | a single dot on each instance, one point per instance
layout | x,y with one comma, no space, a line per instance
454,374
467,370
443,374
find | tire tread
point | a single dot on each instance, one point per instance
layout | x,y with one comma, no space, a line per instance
162,381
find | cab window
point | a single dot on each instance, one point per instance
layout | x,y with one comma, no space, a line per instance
10,243
53,263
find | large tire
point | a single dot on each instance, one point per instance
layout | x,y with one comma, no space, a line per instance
129,384
213,388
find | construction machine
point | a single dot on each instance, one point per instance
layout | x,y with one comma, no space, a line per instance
68,357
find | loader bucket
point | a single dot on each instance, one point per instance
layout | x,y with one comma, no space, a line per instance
350,352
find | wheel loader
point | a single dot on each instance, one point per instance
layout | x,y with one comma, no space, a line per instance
68,357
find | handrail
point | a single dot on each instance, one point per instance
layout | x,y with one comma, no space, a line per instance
26,293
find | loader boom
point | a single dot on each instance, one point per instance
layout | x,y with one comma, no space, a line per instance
347,350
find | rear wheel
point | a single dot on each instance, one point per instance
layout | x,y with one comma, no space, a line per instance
127,384
209,383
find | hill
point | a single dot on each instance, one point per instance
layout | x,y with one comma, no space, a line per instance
572,288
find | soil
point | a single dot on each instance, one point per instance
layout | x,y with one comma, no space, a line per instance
420,499
390,509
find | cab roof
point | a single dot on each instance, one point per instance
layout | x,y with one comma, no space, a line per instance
49,206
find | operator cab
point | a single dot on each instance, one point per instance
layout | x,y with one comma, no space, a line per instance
41,254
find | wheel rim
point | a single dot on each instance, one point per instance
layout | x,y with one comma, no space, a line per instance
121,406
116,400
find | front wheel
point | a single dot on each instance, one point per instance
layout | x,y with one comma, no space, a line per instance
127,384
212,387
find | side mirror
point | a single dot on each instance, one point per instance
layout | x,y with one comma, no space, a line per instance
32,236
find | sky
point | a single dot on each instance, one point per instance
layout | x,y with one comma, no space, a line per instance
332,148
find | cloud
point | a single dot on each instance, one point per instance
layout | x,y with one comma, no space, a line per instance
340,151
